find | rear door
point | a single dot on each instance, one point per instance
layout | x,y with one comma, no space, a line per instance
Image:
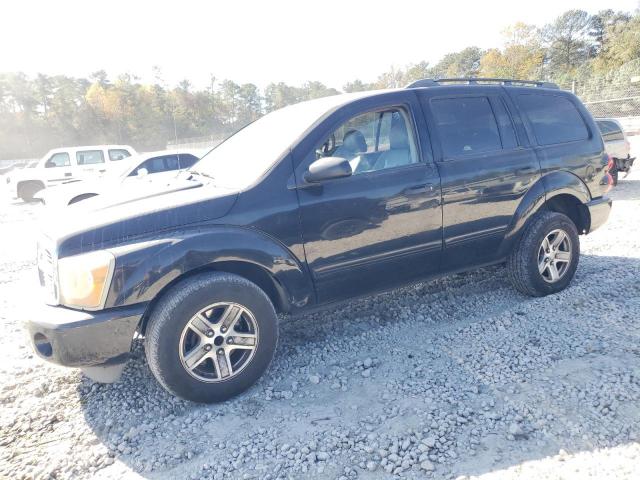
486,167
91,162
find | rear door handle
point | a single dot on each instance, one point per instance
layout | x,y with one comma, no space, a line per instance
523,170
68,174
419,189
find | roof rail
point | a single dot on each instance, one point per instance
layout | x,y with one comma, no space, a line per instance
428,82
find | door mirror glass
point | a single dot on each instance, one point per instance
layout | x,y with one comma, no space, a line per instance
328,168
142,172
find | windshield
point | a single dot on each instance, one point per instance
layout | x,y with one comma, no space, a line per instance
241,159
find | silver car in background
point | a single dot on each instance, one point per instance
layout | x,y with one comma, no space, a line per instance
616,145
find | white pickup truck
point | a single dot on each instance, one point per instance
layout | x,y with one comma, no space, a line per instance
64,164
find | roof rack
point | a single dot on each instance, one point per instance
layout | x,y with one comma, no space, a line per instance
429,82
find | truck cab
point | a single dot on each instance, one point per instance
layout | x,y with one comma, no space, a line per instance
64,164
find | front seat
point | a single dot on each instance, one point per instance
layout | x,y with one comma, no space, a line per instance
399,152
353,144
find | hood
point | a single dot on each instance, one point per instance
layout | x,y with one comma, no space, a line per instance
135,210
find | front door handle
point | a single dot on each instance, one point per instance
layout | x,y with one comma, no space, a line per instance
524,170
419,189
68,174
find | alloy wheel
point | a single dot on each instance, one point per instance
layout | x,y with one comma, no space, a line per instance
218,342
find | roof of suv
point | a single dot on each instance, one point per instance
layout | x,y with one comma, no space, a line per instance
507,82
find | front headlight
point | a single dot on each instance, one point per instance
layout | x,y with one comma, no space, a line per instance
84,279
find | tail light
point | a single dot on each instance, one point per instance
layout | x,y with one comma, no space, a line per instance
610,165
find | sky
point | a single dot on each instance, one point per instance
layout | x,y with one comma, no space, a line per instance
257,41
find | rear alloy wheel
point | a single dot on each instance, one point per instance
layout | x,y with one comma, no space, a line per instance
546,257
554,256
211,337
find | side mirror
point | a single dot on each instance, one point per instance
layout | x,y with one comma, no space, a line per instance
142,172
328,168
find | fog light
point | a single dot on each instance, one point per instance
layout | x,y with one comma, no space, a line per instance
42,344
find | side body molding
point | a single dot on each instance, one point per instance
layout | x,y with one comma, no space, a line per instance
547,187
143,270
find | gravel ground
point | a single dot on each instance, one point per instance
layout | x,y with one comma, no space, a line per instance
460,377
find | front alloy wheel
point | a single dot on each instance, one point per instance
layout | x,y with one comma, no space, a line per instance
211,337
218,342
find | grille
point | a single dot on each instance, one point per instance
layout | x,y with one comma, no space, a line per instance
47,274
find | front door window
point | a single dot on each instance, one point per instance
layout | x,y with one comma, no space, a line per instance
373,141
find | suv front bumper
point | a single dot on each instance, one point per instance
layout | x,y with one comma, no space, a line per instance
76,338
598,211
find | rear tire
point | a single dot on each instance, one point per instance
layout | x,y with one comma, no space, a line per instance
211,337
546,257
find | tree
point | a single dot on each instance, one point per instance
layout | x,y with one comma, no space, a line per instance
568,42
278,95
602,23
465,63
356,86
622,45
522,57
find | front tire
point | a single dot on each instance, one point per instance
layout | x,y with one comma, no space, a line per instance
27,190
211,337
545,259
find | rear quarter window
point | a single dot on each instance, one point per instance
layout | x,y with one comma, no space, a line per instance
116,154
610,130
554,119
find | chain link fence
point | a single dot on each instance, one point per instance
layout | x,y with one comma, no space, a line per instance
206,142
614,95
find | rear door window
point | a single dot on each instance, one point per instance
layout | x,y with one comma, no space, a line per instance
466,125
554,119
89,157
166,163
116,154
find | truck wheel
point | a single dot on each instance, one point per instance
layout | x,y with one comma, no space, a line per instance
211,337
26,190
546,257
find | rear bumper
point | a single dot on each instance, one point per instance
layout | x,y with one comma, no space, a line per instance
624,164
598,212
80,339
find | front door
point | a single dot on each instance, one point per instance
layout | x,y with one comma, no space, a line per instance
381,226
58,169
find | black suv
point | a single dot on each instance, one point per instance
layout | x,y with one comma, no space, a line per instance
313,204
